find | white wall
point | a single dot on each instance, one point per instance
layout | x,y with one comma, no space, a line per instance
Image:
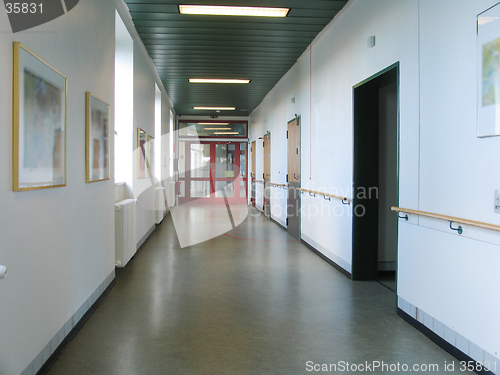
145,77
58,244
167,141
444,168
458,177
144,107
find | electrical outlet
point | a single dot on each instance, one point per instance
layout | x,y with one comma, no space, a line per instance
497,201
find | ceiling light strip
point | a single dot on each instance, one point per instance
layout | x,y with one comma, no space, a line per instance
218,80
215,108
214,123
214,10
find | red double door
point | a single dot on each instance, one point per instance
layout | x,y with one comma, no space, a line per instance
213,172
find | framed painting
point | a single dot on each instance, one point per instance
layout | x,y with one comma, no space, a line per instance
97,139
39,123
488,72
141,153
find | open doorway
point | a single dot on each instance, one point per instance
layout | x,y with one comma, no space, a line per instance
376,153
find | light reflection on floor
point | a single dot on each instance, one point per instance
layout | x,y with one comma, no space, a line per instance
197,222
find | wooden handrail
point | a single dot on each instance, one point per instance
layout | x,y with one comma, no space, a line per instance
279,185
259,181
343,199
451,219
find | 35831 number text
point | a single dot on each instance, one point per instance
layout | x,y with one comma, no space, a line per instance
24,8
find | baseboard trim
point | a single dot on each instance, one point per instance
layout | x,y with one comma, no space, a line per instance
454,351
327,260
278,223
57,352
146,236
318,253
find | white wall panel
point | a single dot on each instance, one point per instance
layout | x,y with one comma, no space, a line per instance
144,106
278,204
458,177
453,279
58,243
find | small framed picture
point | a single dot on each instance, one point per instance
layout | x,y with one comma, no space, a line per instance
97,139
39,123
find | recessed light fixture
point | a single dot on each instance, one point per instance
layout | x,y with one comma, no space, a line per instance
484,20
217,128
217,80
215,10
214,123
226,133
215,108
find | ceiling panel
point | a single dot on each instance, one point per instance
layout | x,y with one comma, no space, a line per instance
257,48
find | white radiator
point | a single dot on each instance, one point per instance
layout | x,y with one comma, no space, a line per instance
160,206
125,231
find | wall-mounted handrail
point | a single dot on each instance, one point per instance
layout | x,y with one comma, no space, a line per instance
259,181
278,185
451,219
403,217
344,200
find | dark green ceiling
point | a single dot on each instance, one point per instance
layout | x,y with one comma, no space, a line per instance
257,48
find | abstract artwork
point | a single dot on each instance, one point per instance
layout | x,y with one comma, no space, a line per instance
97,139
488,72
39,123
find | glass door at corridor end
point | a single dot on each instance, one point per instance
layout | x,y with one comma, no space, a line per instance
213,172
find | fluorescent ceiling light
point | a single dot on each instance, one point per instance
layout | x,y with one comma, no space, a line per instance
214,123
484,20
226,133
215,108
217,128
215,10
217,80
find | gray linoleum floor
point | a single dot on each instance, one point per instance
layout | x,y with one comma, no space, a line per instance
260,303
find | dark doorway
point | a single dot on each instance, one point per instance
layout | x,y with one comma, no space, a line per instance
376,151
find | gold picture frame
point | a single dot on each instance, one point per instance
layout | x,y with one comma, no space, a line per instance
97,139
39,122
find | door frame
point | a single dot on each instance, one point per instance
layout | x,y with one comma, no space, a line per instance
212,199
365,224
